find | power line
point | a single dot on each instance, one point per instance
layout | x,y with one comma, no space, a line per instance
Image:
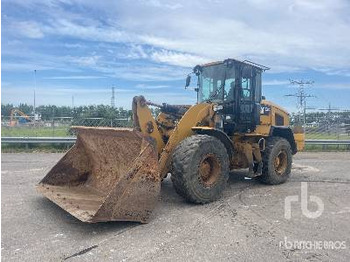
329,109
301,96
113,98
328,115
34,92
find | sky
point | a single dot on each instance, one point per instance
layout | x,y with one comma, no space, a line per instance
81,48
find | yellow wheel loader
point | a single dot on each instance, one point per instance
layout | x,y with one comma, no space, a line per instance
115,174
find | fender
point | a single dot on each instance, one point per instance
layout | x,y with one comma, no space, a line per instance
222,136
287,133
182,130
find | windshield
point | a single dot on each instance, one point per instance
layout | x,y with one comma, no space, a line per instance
216,83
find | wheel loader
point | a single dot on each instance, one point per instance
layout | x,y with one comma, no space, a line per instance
115,174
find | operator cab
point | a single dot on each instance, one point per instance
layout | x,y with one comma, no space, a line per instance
235,85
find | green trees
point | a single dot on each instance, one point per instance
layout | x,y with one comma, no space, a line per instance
49,112
6,109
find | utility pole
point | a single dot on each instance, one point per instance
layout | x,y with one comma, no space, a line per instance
34,92
329,109
113,98
301,96
329,112
311,108
72,101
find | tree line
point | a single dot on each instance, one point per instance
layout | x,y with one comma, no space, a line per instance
48,112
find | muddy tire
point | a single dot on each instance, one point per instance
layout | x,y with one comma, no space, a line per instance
277,161
200,169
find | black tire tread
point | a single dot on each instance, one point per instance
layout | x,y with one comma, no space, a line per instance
267,177
182,162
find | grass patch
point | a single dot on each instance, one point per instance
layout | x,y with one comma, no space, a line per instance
326,136
35,131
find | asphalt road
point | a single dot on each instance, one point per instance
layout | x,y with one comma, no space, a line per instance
247,224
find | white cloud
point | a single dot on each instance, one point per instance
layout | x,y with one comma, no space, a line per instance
103,65
286,35
331,86
294,35
75,45
77,77
173,5
91,32
28,29
275,82
332,71
149,86
136,52
176,58
23,66
158,40
85,60
146,73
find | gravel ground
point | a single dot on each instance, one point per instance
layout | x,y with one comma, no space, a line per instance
247,223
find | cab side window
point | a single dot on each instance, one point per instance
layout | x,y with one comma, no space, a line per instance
246,88
246,83
229,89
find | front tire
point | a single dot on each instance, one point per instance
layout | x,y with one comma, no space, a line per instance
200,169
277,161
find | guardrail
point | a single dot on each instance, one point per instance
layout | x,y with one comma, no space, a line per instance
71,140
326,142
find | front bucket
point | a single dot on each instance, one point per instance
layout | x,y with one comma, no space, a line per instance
108,175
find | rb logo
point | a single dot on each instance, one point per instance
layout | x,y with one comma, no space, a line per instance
304,200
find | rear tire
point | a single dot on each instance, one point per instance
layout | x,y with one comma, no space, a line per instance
277,161
200,169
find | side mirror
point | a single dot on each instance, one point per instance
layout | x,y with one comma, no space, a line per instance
188,81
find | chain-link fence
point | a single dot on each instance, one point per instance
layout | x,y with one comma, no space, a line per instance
326,125
56,127
326,131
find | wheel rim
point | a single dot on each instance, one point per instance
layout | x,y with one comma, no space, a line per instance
280,162
209,170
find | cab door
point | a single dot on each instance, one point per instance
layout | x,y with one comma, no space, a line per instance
248,98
